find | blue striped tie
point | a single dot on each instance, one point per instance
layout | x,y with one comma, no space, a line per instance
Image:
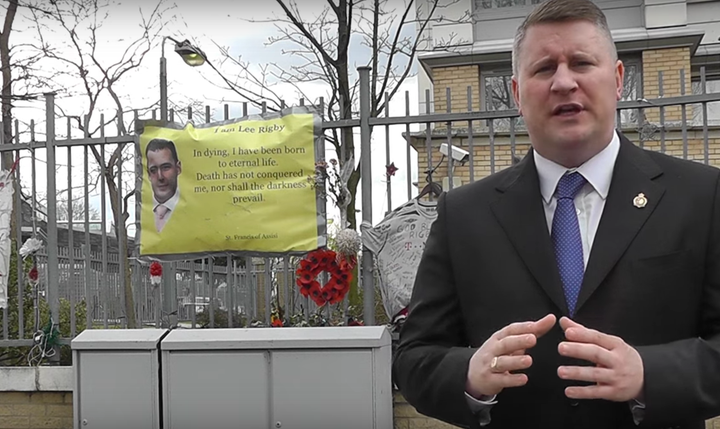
566,238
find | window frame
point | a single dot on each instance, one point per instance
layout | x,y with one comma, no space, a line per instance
489,72
635,60
480,14
507,8
712,69
712,74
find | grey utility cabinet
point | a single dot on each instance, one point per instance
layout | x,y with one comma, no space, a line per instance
280,378
117,382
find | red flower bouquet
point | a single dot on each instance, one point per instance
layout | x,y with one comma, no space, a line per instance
337,286
155,273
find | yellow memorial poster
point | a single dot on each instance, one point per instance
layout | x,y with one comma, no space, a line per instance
240,186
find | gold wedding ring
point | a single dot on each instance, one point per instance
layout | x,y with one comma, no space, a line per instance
493,364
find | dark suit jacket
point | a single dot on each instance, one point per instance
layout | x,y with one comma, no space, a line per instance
653,279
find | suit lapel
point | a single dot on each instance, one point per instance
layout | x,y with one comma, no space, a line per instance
621,220
520,212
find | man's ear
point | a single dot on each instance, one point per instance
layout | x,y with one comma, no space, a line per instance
620,78
179,167
516,93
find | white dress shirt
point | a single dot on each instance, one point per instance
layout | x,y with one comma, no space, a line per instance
590,201
169,205
589,204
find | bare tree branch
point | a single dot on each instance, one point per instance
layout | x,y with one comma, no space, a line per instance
319,51
393,48
334,7
294,18
77,48
7,77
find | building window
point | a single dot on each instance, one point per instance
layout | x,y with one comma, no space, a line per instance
497,4
632,90
497,96
712,86
498,91
504,4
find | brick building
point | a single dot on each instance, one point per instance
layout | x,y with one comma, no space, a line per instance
663,44
470,56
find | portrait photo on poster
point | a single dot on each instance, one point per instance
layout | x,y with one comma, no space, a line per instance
163,169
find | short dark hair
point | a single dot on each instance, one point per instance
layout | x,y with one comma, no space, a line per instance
561,11
160,144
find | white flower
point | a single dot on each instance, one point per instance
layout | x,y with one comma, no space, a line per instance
348,243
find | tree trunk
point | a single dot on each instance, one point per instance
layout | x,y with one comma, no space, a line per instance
129,299
348,143
120,233
7,158
6,100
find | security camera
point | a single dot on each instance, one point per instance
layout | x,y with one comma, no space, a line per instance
458,154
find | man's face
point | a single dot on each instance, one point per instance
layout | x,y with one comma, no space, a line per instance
163,172
567,89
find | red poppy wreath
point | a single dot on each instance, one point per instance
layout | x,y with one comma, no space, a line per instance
337,286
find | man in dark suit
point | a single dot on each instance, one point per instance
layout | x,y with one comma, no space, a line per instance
579,288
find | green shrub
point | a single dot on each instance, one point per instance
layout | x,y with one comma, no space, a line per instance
220,319
17,356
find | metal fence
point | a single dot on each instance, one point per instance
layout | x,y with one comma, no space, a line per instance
85,260
99,288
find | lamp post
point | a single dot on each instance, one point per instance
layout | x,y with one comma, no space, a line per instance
192,55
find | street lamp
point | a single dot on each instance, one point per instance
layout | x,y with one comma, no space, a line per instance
192,55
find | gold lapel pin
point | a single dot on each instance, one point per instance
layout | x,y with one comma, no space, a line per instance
640,201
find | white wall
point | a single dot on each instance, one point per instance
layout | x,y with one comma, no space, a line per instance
665,13
650,14
452,22
706,16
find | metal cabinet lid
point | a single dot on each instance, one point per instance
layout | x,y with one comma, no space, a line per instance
334,337
118,339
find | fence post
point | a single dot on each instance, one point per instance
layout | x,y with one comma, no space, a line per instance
368,282
169,296
52,233
167,300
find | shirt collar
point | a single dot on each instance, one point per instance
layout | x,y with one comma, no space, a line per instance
597,170
171,203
